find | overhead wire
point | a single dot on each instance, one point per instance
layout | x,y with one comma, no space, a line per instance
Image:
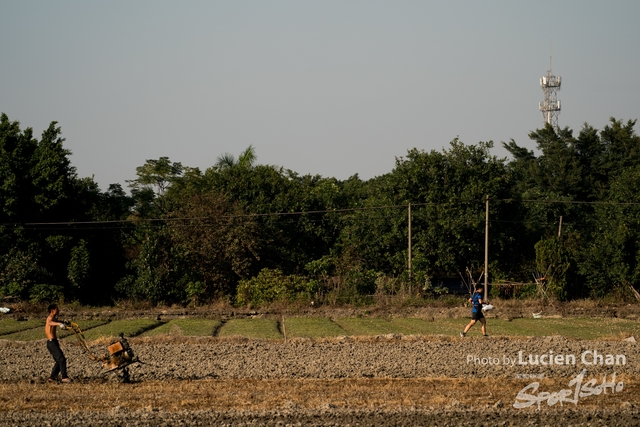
127,223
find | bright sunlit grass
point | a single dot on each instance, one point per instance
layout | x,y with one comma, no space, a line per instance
10,326
371,326
37,333
317,327
579,328
251,328
129,327
185,327
312,327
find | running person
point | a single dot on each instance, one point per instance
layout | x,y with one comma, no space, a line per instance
476,312
54,346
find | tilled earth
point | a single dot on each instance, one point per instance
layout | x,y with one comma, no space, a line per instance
385,380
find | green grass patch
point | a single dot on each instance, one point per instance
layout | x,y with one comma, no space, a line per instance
38,332
185,327
130,328
251,328
579,328
10,326
316,327
312,327
371,326
582,328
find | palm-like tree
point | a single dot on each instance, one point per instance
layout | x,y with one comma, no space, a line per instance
246,159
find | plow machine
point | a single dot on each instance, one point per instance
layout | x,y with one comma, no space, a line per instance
120,355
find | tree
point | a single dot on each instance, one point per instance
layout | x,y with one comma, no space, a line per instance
154,179
246,159
52,175
16,190
40,187
448,191
79,266
217,243
611,258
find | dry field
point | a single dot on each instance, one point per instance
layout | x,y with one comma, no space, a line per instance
382,380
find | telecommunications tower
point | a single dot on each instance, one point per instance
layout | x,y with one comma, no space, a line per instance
550,107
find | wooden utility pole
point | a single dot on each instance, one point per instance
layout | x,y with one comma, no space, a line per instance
560,226
486,250
409,265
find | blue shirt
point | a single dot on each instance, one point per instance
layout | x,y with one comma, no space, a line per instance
475,299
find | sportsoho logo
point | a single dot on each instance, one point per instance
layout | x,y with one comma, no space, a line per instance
577,387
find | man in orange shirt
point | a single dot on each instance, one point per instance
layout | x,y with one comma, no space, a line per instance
54,346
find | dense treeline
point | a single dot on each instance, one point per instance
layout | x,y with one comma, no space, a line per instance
252,233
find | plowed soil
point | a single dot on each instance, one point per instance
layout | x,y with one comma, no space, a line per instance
385,380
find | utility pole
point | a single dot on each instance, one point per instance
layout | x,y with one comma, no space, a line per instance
409,215
486,249
560,226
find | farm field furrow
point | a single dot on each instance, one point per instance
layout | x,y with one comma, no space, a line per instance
379,380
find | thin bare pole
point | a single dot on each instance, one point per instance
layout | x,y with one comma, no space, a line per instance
486,249
560,226
409,215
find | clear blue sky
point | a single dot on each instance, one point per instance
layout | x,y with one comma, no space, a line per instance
322,87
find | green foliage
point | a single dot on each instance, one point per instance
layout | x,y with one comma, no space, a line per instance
273,285
194,236
151,267
554,255
45,292
343,280
18,272
79,267
195,290
154,178
40,186
612,257
447,191
246,160
216,245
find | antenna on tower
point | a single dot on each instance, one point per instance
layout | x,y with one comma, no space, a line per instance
550,84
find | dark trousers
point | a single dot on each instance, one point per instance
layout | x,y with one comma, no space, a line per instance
61,362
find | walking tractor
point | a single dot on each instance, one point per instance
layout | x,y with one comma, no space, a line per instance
120,355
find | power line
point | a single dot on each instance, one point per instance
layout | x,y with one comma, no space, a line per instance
568,202
92,224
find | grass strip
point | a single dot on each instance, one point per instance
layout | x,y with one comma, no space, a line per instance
185,327
37,333
313,327
129,327
578,328
10,326
251,328
371,326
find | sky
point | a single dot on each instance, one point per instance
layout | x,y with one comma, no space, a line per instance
333,87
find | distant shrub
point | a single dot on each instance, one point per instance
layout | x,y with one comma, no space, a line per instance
272,285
